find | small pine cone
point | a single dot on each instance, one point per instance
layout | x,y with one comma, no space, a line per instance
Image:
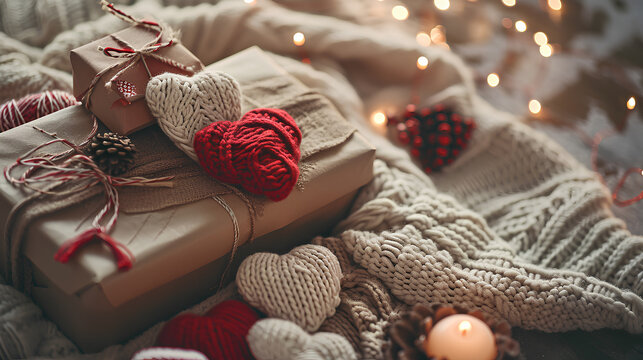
407,335
113,153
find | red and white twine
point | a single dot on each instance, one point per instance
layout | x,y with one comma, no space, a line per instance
129,52
44,174
17,112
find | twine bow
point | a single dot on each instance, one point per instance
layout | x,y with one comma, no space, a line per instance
131,55
44,174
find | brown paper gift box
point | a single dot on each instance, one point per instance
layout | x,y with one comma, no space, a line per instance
180,251
124,116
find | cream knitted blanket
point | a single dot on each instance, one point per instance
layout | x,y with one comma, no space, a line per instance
515,226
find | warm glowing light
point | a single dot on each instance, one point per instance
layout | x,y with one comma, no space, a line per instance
521,26
540,38
534,106
298,39
437,34
509,2
464,327
423,39
546,50
631,103
378,118
507,23
422,62
400,12
249,1
442,4
555,4
493,79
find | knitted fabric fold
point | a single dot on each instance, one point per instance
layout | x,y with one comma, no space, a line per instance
410,243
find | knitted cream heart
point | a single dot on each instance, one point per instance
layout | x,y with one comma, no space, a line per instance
184,105
276,339
161,353
301,286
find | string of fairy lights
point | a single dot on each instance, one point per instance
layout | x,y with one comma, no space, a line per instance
436,36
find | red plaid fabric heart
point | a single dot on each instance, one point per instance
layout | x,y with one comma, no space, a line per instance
260,152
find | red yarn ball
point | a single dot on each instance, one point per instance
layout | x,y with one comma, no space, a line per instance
260,152
31,107
220,334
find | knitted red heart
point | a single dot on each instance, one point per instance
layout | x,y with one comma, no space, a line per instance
220,334
260,152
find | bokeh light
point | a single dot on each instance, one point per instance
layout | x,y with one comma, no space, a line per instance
540,38
400,12
534,106
493,79
423,38
422,62
298,39
442,4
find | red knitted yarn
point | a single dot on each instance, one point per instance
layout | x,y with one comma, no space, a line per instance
31,107
260,152
220,334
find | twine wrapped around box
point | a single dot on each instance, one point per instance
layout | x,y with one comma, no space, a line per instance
321,125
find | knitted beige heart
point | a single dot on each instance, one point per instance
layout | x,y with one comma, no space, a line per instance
276,339
301,286
184,105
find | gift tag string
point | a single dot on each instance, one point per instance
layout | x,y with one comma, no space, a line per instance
45,174
132,54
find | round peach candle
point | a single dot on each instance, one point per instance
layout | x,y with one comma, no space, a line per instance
461,337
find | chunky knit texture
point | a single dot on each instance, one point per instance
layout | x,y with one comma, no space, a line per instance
220,334
417,244
276,339
20,77
301,286
260,152
549,218
184,105
17,112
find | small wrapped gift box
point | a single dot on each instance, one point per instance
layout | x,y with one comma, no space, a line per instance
110,74
181,246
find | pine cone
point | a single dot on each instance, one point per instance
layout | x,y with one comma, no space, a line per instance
113,153
407,335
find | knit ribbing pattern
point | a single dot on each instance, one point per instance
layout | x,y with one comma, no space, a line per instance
551,211
301,286
184,105
366,305
20,77
276,339
424,246
260,152
25,332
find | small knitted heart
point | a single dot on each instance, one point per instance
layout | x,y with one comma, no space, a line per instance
260,152
276,339
437,135
161,353
301,286
220,334
184,105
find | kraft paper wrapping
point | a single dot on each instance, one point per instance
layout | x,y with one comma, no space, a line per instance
178,240
124,117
